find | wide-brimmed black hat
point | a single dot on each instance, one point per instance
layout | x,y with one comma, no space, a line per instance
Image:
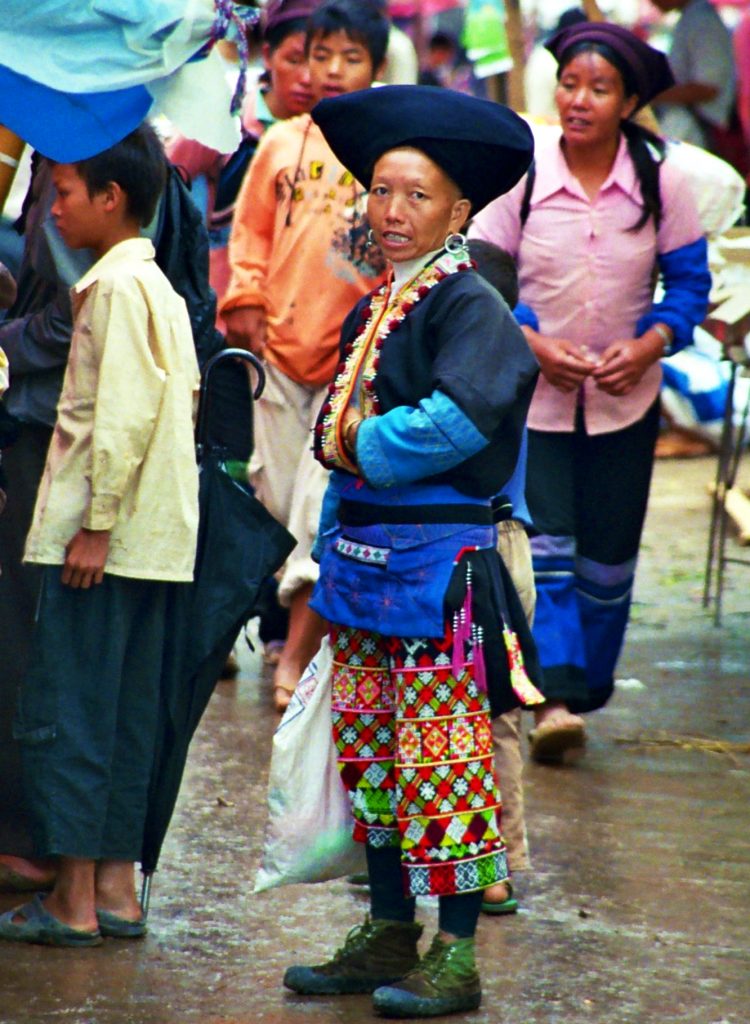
483,147
649,68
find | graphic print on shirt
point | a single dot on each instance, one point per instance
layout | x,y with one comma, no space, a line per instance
322,190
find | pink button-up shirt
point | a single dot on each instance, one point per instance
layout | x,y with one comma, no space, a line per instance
588,278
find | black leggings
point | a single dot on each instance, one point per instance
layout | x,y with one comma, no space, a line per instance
457,915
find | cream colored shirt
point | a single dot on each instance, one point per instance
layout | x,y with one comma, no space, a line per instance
3,373
122,455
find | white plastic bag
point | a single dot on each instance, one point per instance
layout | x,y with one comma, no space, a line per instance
309,831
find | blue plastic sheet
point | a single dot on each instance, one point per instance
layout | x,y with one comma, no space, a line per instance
69,126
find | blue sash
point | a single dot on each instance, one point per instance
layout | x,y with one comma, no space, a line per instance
392,577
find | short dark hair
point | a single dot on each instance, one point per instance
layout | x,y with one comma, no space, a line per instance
497,267
442,41
137,164
275,36
573,16
359,19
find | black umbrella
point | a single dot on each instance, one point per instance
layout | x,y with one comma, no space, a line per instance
239,545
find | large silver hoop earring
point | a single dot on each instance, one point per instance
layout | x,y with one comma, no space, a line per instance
370,237
455,244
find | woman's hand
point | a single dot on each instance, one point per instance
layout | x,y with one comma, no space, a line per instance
564,364
623,363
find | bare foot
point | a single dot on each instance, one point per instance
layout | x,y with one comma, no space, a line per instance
559,736
306,630
682,443
285,680
498,893
115,890
272,652
19,874
82,918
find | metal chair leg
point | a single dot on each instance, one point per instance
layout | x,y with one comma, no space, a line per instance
719,495
734,455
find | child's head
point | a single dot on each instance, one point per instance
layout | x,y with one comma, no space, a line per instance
137,165
346,44
284,27
442,50
112,195
497,267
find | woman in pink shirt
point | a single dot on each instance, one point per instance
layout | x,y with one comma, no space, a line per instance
599,214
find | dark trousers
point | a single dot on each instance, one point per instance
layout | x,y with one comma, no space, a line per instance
587,495
87,715
19,588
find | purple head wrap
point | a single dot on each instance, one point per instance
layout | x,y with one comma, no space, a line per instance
649,68
276,12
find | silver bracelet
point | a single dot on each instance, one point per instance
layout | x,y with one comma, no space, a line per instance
666,338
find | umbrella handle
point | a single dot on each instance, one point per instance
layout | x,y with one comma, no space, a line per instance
226,353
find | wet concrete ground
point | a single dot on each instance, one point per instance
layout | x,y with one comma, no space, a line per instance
637,911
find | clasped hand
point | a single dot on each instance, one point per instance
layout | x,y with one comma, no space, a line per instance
564,364
617,370
623,363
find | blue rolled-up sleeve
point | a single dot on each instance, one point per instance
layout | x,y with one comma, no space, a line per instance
412,443
525,316
687,283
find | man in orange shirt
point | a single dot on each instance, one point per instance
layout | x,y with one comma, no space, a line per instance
299,261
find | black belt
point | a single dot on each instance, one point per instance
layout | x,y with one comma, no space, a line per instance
502,508
362,513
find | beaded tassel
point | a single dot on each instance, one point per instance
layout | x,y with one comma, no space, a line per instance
462,628
477,648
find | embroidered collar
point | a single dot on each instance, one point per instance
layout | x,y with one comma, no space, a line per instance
382,315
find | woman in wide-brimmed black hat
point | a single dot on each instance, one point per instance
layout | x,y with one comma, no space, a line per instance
421,429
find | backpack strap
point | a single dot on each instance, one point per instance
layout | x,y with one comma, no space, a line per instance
231,176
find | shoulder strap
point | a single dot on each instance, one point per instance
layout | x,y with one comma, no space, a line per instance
527,192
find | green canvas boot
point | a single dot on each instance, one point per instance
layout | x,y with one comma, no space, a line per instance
446,981
375,953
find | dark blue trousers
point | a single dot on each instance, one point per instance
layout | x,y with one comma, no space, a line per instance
87,715
587,495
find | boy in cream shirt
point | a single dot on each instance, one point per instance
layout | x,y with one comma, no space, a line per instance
114,528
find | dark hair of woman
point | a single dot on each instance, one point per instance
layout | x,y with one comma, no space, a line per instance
275,36
641,142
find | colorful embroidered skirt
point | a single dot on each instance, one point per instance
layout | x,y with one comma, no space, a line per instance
415,752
